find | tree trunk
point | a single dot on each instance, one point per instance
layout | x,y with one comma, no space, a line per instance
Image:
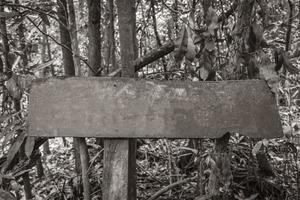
158,40
3,31
73,32
43,73
120,154
77,156
85,159
69,68
243,66
23,50
94,35
25,176
65,38
110,45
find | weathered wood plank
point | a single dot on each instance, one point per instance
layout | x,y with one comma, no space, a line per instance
128,108
119,165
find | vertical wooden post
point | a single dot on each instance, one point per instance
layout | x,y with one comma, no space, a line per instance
119,180
119,176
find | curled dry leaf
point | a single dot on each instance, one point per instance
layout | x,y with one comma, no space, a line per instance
13,88
12,152
29,145
191,48
45,18
24,82
11,58
258,32
212,20
288,65
255,37
4,195
278,59
181,45
257,147
268,73
210,45
203,73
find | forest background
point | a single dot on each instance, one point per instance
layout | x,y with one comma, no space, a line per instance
193,40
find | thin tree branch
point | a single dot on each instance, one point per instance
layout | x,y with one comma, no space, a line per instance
165,189
35,10
60,44
153,55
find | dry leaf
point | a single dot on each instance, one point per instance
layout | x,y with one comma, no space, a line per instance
14,149
203,73
212,20
210,45
13,88
191,49
29,145
288,65
181,45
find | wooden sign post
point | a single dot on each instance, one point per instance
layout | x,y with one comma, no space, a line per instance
122,108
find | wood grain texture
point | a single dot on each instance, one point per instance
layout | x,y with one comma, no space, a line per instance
119,175
129,108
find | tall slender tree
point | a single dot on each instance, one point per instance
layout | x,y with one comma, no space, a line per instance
69,68
124,162
3,31
94,35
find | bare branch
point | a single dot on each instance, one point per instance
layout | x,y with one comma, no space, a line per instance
60,44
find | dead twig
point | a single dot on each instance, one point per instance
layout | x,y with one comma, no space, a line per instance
169,187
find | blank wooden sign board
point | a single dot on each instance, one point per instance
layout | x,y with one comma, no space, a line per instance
129,108
125,108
